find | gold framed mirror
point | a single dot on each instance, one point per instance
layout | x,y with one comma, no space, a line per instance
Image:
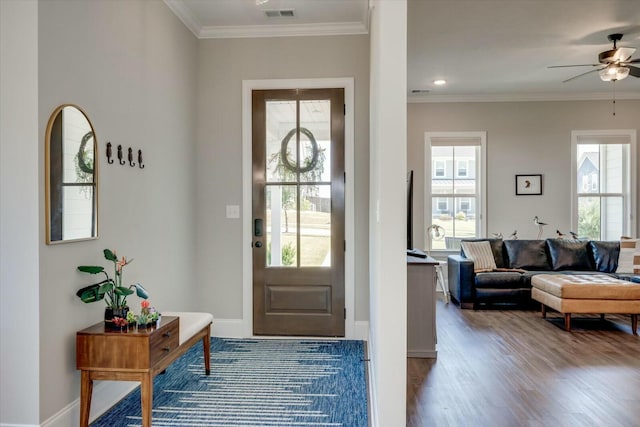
71,176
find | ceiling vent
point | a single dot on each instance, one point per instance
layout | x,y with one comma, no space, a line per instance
283,13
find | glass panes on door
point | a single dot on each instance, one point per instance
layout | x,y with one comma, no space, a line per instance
298,183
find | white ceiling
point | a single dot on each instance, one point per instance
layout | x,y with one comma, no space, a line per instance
485,49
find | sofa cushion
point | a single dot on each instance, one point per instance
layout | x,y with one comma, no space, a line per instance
605,255
481,254
629,260
569,254
499,280
527,254
497,247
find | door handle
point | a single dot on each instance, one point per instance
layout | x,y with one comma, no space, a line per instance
257,227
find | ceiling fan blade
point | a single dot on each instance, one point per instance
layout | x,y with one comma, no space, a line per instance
583,74
623,53
633,61
581,65
634,71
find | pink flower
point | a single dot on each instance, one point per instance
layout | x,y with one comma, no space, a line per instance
145,304
121,264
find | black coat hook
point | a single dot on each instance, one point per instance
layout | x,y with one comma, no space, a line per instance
130,157
140,165
109,153
122,162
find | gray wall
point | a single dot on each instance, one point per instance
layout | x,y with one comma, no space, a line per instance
522,138
19,198
131,65
223,65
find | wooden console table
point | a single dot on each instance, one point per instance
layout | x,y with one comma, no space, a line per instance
133,355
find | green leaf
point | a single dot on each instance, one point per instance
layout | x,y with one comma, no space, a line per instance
119,290
90,294
93,269
111,256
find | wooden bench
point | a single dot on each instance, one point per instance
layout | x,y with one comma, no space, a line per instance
587,293
137,355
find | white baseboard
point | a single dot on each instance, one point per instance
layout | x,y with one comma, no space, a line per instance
361,330
425,354
373,404
105,395
227,328
232,328
17,425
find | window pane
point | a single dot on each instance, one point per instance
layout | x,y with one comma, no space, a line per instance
281,138
612,215
77,222
454,186
442,179
315,140
76,130
281,225
589,217
613,168
315,225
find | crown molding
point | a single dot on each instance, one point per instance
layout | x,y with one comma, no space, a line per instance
273,30
522,97
246,31
184,14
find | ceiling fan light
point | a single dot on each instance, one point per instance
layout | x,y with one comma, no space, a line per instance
613,73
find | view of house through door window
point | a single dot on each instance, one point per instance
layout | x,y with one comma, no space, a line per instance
298,210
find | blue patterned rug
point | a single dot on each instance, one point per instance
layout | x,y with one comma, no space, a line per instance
265,383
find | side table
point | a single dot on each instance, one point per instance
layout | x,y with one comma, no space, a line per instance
130,355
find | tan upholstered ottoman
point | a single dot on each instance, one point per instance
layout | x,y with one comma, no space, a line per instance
586,293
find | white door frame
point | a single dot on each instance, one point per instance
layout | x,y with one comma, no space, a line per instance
347,83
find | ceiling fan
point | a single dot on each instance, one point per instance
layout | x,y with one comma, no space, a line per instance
614,64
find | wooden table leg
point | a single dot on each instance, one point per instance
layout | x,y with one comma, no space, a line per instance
567,322
634,324
146,398
86,388
544,311
206,343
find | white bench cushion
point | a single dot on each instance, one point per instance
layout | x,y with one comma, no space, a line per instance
190,322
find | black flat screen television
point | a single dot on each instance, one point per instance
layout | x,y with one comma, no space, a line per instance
410,249
410,210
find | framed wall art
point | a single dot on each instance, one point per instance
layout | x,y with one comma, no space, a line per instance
529,185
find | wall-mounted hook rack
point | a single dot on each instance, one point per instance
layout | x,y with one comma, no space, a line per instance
130,157
140,165
109,153
122,162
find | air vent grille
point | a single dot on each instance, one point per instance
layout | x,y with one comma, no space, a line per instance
282,13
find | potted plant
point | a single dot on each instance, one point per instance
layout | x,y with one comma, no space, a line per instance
111,290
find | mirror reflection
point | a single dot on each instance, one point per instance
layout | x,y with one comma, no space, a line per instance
71,176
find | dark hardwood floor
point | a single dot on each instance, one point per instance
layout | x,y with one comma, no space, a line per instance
513,368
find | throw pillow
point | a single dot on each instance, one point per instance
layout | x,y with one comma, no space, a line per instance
527,254
569,254
629,260
481,254
605,255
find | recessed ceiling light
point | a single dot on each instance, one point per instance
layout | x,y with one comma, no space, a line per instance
439,82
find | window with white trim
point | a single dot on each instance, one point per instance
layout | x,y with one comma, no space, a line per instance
455,201
604,183
439,168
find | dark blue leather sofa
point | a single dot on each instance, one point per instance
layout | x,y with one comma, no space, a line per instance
518,260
